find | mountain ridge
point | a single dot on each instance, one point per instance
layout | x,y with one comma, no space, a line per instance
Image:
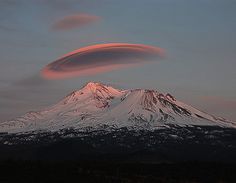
97,104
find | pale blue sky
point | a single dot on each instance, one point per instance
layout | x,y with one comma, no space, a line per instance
199,37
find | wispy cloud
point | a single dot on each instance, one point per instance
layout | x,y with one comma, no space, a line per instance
7,29
75,21
220,101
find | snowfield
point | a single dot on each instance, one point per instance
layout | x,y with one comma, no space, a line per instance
96,105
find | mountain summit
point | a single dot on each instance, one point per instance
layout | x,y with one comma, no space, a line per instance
96,105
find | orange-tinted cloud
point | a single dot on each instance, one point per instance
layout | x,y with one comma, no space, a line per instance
100,58
75,21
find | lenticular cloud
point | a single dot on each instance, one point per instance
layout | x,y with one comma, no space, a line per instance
75,21
100,58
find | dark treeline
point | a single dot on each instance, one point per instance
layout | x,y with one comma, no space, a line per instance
173,155
173,144
111,171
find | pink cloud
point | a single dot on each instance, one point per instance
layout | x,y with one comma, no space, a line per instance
99,59
75,21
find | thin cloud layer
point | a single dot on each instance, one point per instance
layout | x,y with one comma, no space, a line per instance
100,58
75,21
220,101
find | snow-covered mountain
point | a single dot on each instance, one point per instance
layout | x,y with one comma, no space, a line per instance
97,105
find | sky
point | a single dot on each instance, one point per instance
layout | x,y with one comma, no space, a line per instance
198,38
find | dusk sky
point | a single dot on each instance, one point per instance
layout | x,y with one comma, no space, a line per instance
198,36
